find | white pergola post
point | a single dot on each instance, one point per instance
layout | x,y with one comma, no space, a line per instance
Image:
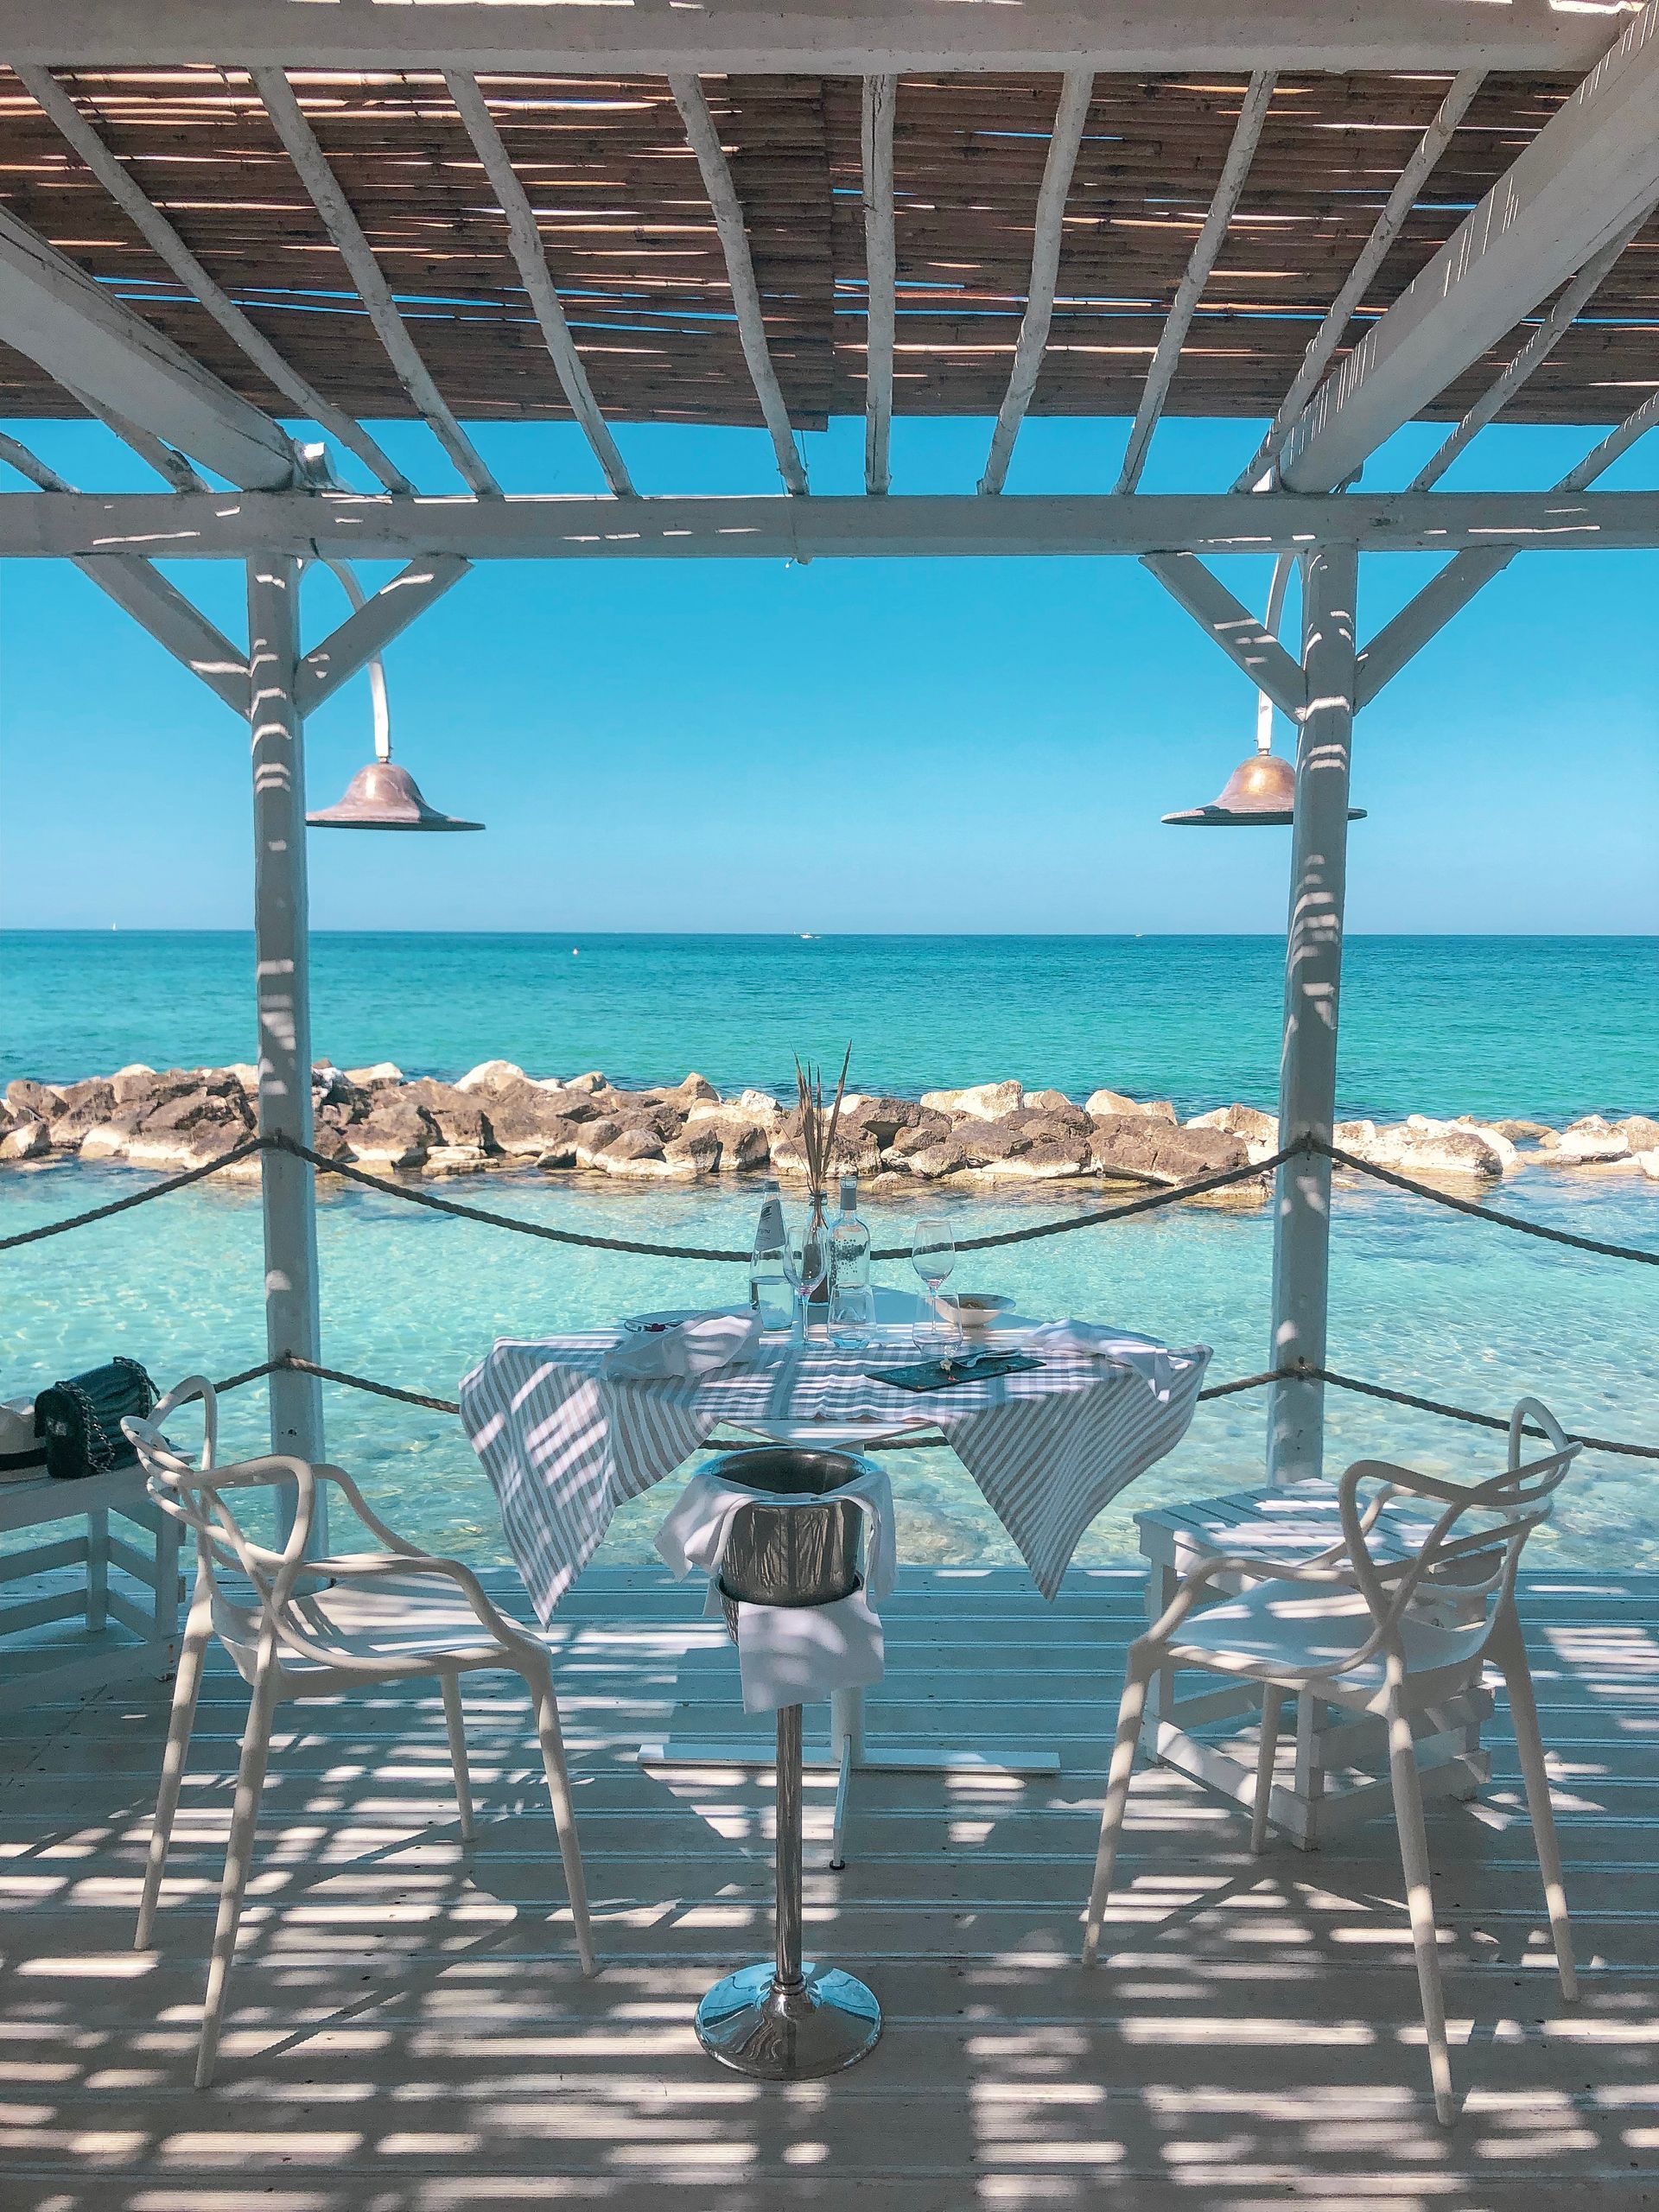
1307,1066
282,973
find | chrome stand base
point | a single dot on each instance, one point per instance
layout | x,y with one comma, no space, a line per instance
747,2022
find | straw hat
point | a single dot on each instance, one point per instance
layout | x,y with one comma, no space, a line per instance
22,1453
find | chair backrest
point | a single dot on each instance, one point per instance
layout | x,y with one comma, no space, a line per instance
1465,1568
250,1585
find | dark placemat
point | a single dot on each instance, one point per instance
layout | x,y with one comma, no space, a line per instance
934,1375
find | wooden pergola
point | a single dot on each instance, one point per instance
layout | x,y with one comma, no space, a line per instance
241,231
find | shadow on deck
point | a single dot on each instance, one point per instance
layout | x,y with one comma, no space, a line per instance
409,2028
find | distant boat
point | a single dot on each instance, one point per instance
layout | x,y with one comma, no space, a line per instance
807,938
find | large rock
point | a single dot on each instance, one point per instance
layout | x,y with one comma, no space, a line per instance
492,1075
131,1082
225,1107
1649,1163
636,1149
982,1144
1102,1103
1517,1132
1640,1132
1426,1125
84,1105
459,1119
526,1121
595,1137
561,1145
696,1153
109,1139
1144,1147
384,1075
928,1162
1434,1149
1047,1159
1592,1138
26,1140
396,1134
175,1149
690,1090
26,1097
930,1129
878,1115
740,1143
455,1159
979,1101
1049,1111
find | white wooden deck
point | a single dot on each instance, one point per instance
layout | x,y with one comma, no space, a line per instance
408,2027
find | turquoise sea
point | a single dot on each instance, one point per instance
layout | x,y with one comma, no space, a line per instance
1420,1298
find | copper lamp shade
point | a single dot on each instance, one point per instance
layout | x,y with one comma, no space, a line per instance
384,796
1260,790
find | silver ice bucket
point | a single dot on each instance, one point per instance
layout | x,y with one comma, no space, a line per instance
791,1554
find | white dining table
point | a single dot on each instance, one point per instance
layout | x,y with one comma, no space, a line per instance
564,1442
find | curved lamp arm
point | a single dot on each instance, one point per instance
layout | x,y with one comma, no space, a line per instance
376,667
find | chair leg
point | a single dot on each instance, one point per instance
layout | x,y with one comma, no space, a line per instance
564,1818
1509,1654
1272,1706
455,1721
250,1784
186,1685
1413,1857
1117,1796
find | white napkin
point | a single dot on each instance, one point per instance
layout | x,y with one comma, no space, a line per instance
1094,1340
696,1533
702,1346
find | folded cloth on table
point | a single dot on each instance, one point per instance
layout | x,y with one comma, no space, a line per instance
1150,1360
701,1346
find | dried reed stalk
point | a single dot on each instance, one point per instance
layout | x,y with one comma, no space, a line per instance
819,1128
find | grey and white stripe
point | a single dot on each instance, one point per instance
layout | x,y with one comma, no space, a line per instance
564,1445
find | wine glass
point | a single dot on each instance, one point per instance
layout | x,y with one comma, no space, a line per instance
806,1263
933,1255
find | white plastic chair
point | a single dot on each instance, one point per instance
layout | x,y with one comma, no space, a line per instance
1384,1638
290,1645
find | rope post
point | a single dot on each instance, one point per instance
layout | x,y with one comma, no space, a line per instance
1307,1066
288,1184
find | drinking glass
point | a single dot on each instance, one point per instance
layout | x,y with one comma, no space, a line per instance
933,1255
806,1262
852,1316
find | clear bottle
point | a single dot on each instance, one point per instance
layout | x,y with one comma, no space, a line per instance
770,1294
852,1301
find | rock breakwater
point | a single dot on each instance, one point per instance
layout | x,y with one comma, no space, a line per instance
497,1117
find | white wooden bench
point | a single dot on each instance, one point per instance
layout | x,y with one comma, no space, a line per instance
127,1621
1338,1772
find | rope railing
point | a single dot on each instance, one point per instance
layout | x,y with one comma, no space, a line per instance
1301,1372
1063,1225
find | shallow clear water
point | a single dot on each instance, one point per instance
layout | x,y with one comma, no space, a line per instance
1551,1027
1420,1298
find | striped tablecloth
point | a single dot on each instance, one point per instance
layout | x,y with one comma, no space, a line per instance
564,1445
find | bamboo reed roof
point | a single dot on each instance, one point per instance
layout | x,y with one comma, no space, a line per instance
630,242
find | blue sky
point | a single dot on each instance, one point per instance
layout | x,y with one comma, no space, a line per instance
978,746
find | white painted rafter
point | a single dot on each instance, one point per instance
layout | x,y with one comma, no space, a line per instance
880,100
525,237
311,165
78,132
1326,339
92,343
1564,312
840,38
1206,247
1077,90
337,525
704,141
145,594
370,628
1591,168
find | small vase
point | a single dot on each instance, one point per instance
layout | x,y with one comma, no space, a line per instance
818,1233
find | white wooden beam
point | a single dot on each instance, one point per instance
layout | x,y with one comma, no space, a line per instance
311,165
1077,89
171,466
370,628
1242,636
144,593
351,527
116,180
704,141
842,38
1387,227
1577,186
1258,97
1448,593
1564,312
1307,1066
282,966
880,98
525,237
79,331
